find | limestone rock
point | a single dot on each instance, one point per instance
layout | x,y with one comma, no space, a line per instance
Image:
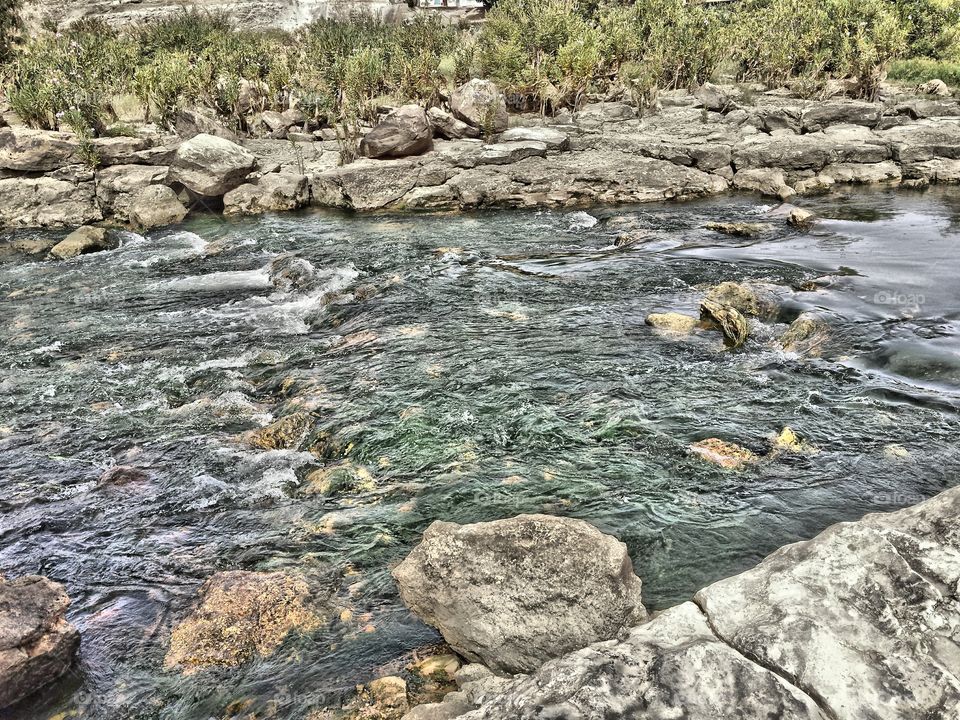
859,617
37,644
45,201
191,122
801,218
715,98
118,150
241,615
118,184
725,454
447,126
27,150
737,229
155,206
814,185
598,114
211,166
552,138
671,667
823,114
405,131
672,323
731,322
502,153
481,104
766,181
750,299
806,335
863,173
513,593
287,432
273,192
935,87
83,240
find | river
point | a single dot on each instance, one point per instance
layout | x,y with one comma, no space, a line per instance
458,367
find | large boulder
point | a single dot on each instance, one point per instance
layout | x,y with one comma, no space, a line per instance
750,299
242,615
481,104
117,185
405,131
848,112
514,593
155,206
211,166
83,240
37,644
273,192
191,122
860,622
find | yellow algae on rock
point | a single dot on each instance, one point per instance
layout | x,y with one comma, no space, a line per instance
725,454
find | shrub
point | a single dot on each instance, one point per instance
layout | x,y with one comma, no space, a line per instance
9,26
921,70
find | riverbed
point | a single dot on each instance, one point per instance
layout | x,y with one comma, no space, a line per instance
457,367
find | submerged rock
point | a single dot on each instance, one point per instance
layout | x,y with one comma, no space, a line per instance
123,475
37,644
514,593
789,441
242,615
481,104
405,131
673,323
83,240
806,335
737,229
289,272
749,299
732,324
801,218
283,434
725,454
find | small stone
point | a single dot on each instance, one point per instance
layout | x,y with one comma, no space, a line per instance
672,323
389,693
441,667
123,475
801,218
83,240
737,229
727,455
789,441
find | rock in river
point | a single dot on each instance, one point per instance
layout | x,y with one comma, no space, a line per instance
730,321
672,323
514,593
37,644
287,432
155,206
749,299
242,615
82,241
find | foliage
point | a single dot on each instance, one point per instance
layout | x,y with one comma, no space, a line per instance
9,26
920,70
547,54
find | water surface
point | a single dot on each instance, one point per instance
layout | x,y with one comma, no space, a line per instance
471,367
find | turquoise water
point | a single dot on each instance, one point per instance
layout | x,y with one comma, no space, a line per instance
471,367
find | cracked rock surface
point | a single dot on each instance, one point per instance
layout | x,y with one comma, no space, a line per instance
861,622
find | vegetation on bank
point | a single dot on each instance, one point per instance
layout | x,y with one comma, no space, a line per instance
546,54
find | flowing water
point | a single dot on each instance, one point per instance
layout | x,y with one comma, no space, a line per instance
467,367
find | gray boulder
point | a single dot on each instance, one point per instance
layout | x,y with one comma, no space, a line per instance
935,87
502,153
273,192
83,240
447,126
191,122
716,98
405,131
211,166
481,104
514,593
37,644
155,206
848,112
117,185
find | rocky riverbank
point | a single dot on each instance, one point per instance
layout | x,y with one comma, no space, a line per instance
859,622
712,141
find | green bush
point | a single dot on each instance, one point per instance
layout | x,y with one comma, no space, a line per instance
9,26
921,70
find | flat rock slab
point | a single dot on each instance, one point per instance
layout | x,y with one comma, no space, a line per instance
862,621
